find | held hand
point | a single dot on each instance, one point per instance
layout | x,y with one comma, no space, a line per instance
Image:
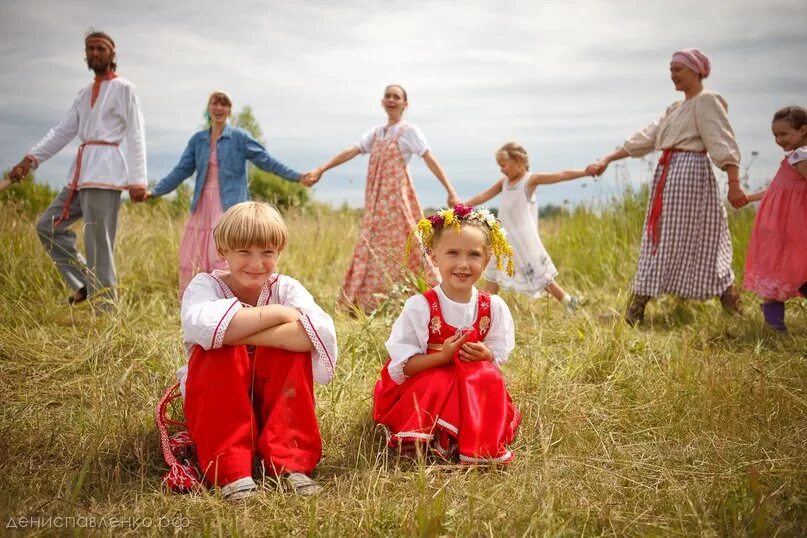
138,193
475,351
737,197
596,168
20,171
311,177
16,174
452,199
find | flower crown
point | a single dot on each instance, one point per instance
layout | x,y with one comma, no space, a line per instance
454,217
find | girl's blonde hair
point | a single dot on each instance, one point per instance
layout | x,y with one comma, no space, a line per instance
429,231
250,224
515,152
479,225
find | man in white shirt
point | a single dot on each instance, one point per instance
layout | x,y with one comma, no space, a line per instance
104,115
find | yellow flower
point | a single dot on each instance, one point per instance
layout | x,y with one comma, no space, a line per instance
449,219
425,231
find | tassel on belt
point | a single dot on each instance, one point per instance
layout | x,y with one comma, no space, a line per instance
74,183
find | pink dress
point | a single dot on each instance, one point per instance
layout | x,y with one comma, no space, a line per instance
776,264
197,251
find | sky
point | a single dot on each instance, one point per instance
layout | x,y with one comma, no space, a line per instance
569,80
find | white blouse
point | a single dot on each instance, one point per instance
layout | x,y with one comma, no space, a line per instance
410,332
116,117
411,142
208,306
697,124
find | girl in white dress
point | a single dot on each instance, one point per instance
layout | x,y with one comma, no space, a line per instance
518,212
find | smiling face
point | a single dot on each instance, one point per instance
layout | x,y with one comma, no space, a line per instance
219,109
684,78
250,237
250,267
461,258
788,137
512,168
394,102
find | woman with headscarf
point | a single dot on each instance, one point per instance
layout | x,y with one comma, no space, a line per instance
218,155
686,248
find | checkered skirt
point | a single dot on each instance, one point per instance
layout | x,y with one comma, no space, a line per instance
693,258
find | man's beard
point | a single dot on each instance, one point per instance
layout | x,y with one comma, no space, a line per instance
99,66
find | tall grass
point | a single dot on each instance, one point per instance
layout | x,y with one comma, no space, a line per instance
694,424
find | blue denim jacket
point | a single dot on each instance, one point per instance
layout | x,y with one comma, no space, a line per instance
233,148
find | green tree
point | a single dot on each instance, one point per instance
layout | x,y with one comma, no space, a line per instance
246,120
264,185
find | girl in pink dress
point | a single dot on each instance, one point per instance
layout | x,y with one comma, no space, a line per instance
391,206
776,265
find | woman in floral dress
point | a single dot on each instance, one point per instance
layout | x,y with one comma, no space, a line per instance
391,208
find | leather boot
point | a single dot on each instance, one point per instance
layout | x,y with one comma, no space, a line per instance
635,312
730,300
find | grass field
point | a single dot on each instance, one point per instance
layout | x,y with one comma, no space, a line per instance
695,424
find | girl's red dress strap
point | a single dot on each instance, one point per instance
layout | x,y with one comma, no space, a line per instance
439,330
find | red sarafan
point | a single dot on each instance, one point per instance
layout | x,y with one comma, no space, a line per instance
459,410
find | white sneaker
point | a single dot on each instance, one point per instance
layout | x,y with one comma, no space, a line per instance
303,485
239,489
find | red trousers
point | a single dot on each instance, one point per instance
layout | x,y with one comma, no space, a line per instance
239,404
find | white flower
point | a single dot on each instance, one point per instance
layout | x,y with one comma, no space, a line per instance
483,214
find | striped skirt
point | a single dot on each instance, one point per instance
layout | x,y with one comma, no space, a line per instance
694,254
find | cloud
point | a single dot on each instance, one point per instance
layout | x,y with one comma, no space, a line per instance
569,79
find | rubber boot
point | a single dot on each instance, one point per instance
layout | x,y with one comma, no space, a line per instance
774,314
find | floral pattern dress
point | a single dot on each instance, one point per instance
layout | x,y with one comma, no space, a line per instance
391,212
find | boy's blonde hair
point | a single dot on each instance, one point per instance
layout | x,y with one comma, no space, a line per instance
249,224
515,152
